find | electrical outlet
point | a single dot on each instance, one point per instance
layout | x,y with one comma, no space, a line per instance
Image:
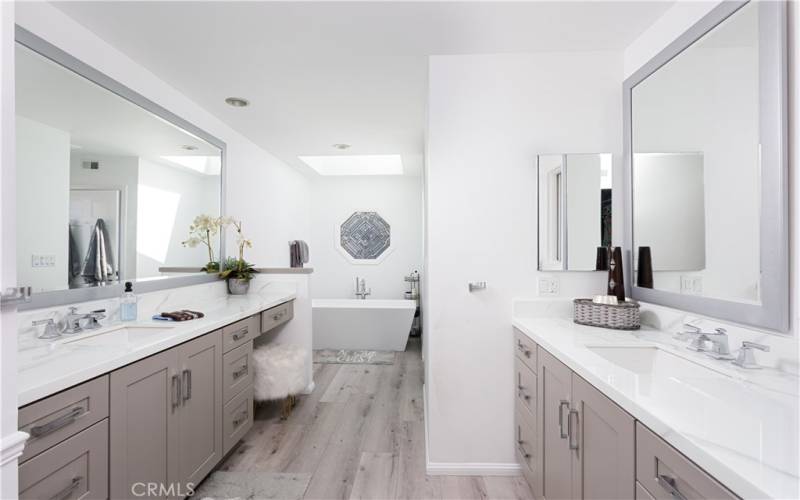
692,285
38,260
548,286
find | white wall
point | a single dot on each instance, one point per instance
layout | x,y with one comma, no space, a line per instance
169,200
42,203
488,118
269,196
116,172
398,199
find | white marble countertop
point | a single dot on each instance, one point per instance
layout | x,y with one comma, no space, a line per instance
46,367
740,426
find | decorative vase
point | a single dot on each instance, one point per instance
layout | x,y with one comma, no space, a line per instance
238,286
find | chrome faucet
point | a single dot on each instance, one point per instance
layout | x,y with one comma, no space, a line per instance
50,330
718,340
71,324
747,358
361,288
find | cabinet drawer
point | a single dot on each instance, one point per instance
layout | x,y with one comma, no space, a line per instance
240,332
75,468
277,316
666,474
237,419
525,386
237,370
642,493
525,349
525,442
62,415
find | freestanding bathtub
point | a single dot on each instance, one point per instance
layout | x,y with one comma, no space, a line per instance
379,325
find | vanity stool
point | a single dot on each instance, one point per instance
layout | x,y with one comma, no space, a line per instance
280,373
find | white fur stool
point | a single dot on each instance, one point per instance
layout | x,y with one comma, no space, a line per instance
280,373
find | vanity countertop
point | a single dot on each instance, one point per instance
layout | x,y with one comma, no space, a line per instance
47,367
740,426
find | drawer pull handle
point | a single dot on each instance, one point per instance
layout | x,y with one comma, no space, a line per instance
240,334
669,484
572,445
176,392
277,317
186,380
524,350
64,420
522,394
563,404
66,492
520,442
240,419
240,372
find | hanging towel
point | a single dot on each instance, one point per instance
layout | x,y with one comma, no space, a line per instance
303,247
298,253
98,265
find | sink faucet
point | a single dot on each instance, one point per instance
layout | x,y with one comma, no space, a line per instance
361,288
72,321
718,339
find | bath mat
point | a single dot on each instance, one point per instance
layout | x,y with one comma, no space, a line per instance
224,485
349,357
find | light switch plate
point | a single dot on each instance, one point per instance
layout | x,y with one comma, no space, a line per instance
39,260
548,286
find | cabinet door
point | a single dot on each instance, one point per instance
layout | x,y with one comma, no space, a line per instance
143,422
601,438
200,421
553,403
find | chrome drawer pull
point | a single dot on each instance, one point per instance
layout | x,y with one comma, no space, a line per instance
240,334
186,380
241,419
520,442
240,372
277,317
561,407
522,393
59,423
66,492
176,392
669,484
524,350
572,446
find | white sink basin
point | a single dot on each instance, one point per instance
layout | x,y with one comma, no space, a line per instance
119,335
649,360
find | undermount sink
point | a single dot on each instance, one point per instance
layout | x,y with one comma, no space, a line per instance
648,360
120,335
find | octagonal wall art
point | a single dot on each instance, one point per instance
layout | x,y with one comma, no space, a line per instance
364,238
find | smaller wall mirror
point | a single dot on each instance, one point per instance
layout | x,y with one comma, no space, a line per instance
575,195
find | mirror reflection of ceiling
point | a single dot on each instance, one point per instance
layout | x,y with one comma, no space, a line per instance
101,122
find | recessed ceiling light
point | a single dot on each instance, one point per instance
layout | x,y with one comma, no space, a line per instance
189,147
341,146
237,102
355,165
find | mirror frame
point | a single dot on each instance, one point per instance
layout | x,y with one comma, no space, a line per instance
773,312
70,296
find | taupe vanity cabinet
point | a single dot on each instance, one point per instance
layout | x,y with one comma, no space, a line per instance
573,442
587,440
166,417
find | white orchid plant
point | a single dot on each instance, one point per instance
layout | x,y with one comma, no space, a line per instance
201,231
234,268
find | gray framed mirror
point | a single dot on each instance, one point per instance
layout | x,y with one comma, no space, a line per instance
705,134
108,183
574,211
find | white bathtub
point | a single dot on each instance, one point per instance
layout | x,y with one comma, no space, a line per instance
380,325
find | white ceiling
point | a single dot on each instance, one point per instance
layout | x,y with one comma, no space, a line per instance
319,73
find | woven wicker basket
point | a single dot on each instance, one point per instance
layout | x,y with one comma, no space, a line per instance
623,316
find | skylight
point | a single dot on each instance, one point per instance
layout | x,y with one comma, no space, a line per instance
355,164
209,165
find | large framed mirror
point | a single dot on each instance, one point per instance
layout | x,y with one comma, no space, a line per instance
108,182
706,169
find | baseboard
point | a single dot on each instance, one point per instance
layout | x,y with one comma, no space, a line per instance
472,469
310,388
462,468
11,446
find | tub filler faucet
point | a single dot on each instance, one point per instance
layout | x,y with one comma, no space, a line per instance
361,288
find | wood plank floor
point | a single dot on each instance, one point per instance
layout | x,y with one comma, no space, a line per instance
361,434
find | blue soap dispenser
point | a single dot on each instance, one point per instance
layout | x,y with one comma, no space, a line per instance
127,304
